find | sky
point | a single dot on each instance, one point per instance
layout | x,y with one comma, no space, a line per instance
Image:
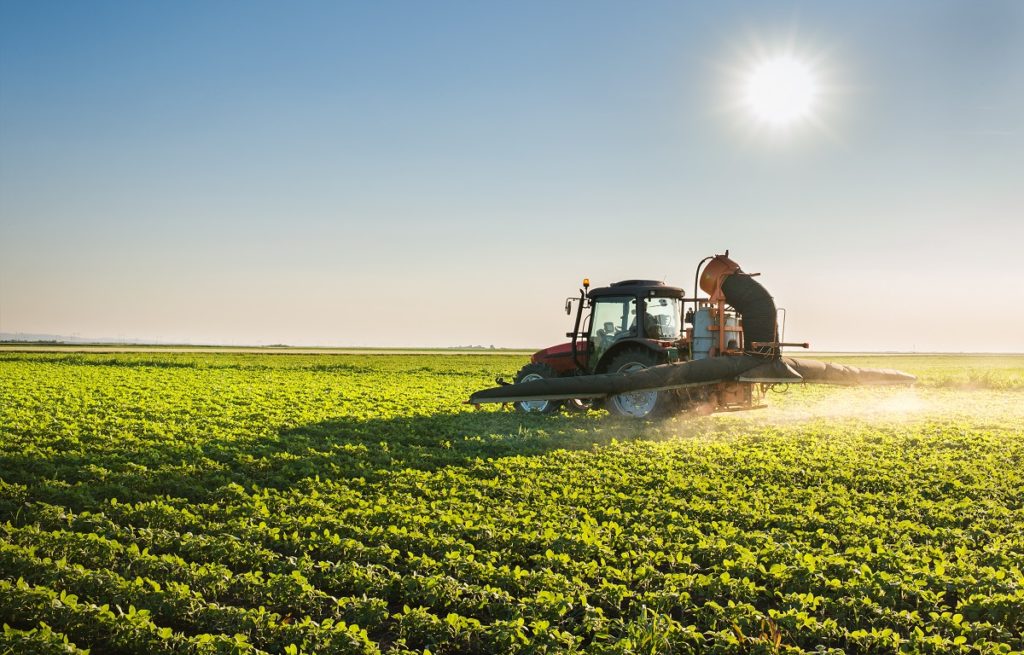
446,173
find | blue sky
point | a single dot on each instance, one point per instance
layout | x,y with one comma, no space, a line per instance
434,174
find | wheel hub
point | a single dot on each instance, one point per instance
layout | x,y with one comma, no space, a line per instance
533,405
635,403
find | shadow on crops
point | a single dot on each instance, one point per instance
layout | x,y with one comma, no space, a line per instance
343,448
428,442
375,448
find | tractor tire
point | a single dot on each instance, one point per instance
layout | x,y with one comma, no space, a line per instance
536,371
639,404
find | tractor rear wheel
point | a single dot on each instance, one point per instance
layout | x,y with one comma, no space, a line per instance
530,373
638,404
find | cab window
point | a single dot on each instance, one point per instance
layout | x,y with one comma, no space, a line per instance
662,320
612,318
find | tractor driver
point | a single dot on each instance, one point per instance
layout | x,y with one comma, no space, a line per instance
606,335
652,328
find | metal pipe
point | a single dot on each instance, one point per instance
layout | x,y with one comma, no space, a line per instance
576,332
696,295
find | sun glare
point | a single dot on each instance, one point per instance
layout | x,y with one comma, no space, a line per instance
780,92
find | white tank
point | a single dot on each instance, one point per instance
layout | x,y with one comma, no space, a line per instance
704,340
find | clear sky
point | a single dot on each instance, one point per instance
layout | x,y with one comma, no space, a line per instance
445,173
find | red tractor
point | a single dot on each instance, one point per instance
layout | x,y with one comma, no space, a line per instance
626,326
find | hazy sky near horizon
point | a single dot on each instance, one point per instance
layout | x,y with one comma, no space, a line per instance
445,173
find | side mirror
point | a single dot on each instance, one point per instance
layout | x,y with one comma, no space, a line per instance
568,306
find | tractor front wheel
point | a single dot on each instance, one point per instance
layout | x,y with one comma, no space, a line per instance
530,373
638,404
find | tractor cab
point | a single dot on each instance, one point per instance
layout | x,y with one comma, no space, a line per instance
641,316
632,314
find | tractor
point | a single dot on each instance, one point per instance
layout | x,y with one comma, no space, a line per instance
626,326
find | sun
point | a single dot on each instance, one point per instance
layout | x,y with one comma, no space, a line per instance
780,92
786,90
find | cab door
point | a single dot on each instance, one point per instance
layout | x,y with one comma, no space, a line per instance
612,319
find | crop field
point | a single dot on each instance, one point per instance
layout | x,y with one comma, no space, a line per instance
284,503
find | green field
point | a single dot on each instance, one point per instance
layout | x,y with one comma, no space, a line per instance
284,503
